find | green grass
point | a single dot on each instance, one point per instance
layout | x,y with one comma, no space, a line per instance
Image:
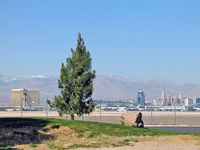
6,148
92,134
9,148
76,146
33,145
60,148
51,145
92,145
97,128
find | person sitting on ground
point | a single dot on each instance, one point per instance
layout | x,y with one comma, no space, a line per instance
140,123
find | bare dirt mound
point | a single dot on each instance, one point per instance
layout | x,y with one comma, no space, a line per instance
62,135
128,119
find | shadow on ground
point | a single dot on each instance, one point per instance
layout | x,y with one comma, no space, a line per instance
17,131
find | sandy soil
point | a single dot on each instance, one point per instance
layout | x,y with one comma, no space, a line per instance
169,143
180,142
161,143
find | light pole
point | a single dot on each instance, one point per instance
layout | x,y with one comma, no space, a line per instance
46,110
100,110
174,112
25,101
21,105
32,104
151,112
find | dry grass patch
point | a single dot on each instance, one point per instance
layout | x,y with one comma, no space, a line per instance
70,139
63,135
66,138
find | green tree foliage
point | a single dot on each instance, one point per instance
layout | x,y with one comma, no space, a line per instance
76,83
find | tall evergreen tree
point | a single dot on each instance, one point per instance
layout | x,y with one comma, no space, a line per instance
76,83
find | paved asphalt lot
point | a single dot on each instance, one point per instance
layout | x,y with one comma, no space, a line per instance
189,129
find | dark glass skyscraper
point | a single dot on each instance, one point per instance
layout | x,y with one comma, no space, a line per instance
197,100
141,98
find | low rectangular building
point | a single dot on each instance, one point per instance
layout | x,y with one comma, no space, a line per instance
24,97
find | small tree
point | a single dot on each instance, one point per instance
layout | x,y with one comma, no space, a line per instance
76,83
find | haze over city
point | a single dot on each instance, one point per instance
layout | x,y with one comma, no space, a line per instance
135,39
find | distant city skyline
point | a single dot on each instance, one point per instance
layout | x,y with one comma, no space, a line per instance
143,40
105,88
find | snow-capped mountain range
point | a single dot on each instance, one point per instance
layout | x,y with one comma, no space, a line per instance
105,88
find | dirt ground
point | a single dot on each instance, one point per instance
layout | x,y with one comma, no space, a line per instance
161,143
180,142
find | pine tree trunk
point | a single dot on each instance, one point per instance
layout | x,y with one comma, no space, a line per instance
72,117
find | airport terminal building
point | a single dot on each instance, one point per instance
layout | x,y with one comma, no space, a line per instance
24,97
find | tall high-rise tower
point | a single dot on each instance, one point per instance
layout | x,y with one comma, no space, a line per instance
180,96
141,98
163,97
182,101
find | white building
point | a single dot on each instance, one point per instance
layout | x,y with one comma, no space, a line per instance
24,97
188,102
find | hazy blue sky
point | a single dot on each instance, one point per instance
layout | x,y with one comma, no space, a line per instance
136,39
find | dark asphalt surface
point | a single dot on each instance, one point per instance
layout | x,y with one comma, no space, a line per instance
177,129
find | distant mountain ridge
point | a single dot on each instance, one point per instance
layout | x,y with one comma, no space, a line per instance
5,78
105,88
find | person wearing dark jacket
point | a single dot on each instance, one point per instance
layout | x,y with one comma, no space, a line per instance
140,123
